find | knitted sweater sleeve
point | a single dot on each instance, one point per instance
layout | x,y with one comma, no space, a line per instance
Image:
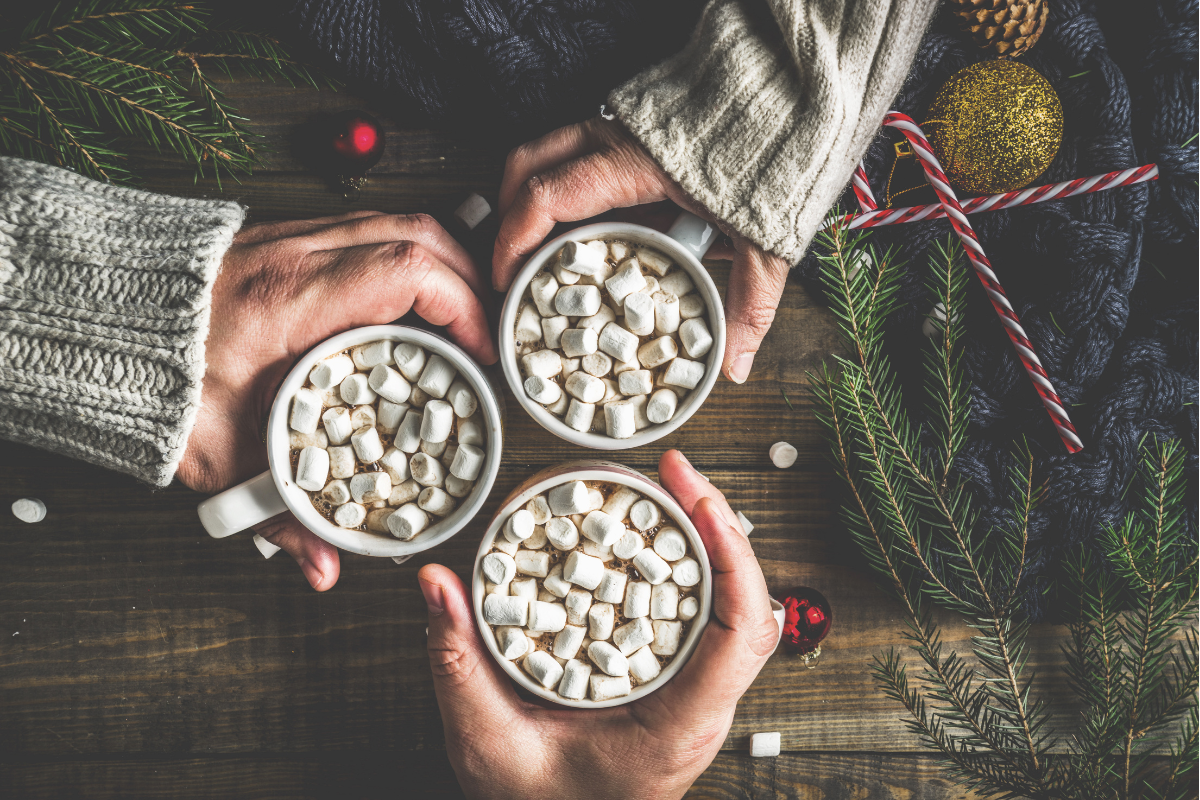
763,115
104,305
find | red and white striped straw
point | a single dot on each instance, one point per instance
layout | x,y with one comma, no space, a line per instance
873,216
983,268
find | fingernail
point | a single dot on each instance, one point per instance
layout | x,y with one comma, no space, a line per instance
433,598
739,370
684,460
314,575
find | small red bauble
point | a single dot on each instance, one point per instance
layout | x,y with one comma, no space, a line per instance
353,143
806,621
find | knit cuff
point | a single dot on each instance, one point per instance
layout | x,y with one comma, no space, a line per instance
764,129
104,308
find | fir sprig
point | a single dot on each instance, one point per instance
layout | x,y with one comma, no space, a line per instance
911,515
85,79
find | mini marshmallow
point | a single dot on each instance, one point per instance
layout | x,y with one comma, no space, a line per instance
568,640
580,258
661,407
511,642
495,588
689,607
336,492
559,407
449,454
367,445
356,390
542,288
579,415
618,342
366,356
597,321
596,364
437,376
467,463
470,431
579,342
609,659
620,367
331,397
595,500
612,587
574,683
338,425
651,286
435,449
499,610
462,398
783,455
552,330
643,666
555,585
537,540
349,515
611,392
633,635
602,529
670,544
377,520
627,280
408,437
342,463
619,251
577,301
407,521
543,668
562,533
395,463
601,617
637,600
529,325
533,562
570,365
299,441
457,487
519,525
666,312
747,525
526,588
657,352
306,411
362,417
499,567
371,487
540,510
578,602
312,468
331,371
585,571
682,372
600,551
389,384
620,419
764,745
419,397
639,314
628,546
666,636
644,515
409,359
427,470
691,306
436,421
638,381
406,492
436,501
677,283
549,617
569,498
564,276
694,336
664,601
472,211
654,569
654,261
608,687
686,572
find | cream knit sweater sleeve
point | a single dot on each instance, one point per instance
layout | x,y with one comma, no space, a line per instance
764,114
104,304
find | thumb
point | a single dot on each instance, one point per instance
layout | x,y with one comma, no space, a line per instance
755,286
473,692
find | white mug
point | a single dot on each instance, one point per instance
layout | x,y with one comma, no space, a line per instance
685,243
275,491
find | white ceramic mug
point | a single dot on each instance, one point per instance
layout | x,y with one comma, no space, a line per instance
607,472
685,243
275,491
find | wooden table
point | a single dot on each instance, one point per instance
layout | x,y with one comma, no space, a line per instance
141,658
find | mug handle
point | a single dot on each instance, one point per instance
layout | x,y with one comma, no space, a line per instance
246,504
695,234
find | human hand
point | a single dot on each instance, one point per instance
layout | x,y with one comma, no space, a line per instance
586,169
503,746
287,286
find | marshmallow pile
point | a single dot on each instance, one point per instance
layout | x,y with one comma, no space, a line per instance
386,437
591,589
614,327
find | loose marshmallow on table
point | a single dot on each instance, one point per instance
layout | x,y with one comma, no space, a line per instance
30,509
747,525
472,211
266,548
783,455
764,745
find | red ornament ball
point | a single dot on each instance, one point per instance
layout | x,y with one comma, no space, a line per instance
806,621
355,141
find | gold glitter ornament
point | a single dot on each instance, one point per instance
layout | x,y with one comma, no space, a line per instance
994,126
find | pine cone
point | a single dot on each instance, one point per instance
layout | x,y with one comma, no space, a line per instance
1006,27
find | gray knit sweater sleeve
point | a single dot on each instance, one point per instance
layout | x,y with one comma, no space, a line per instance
764,114
104,305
